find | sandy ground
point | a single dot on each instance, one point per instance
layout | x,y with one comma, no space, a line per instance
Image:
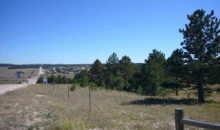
9,87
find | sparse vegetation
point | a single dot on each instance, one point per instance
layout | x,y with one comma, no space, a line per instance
25,109
70,125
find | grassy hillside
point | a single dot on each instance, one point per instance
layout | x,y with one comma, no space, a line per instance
47,107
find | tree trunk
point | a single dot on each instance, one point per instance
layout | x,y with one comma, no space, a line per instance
177,90
153,89
200,91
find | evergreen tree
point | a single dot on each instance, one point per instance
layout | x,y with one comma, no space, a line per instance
64,80
153,72
40,80
202,44
97,73
109,79
52,79
175,70
127,69
111,72
137,80
112,64
59,79
83,76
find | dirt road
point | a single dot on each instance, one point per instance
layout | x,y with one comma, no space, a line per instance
9,87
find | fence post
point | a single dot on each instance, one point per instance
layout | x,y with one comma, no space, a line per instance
178,117
90,99
68,92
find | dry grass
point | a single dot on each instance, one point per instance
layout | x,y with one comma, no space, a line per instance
56,75
8,76
42,107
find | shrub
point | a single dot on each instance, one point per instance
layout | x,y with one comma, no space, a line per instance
163,92
207,93
84,83
40,80
73,87
93,86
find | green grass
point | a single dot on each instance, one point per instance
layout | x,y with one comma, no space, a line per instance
41,107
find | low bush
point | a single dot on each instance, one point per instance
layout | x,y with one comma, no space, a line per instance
73,87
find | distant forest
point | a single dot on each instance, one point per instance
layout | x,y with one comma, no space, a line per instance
23,66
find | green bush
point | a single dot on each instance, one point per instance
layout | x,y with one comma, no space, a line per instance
40,80
163,92
207,93
73,87
84,83
93,86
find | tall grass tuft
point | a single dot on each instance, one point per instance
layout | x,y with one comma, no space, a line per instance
72,125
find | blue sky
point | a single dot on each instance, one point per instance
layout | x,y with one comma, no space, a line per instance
81,31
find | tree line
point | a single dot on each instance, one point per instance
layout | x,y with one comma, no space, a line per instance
23,66
57,80
197,62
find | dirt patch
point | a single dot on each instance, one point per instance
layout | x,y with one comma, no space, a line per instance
22,112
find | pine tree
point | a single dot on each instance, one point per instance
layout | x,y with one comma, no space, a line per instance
202,44
111,71
127,69
97,73
153,72
112,64
175,70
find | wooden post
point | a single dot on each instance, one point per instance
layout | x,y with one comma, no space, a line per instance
68,91
89,100
178,117
200,124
